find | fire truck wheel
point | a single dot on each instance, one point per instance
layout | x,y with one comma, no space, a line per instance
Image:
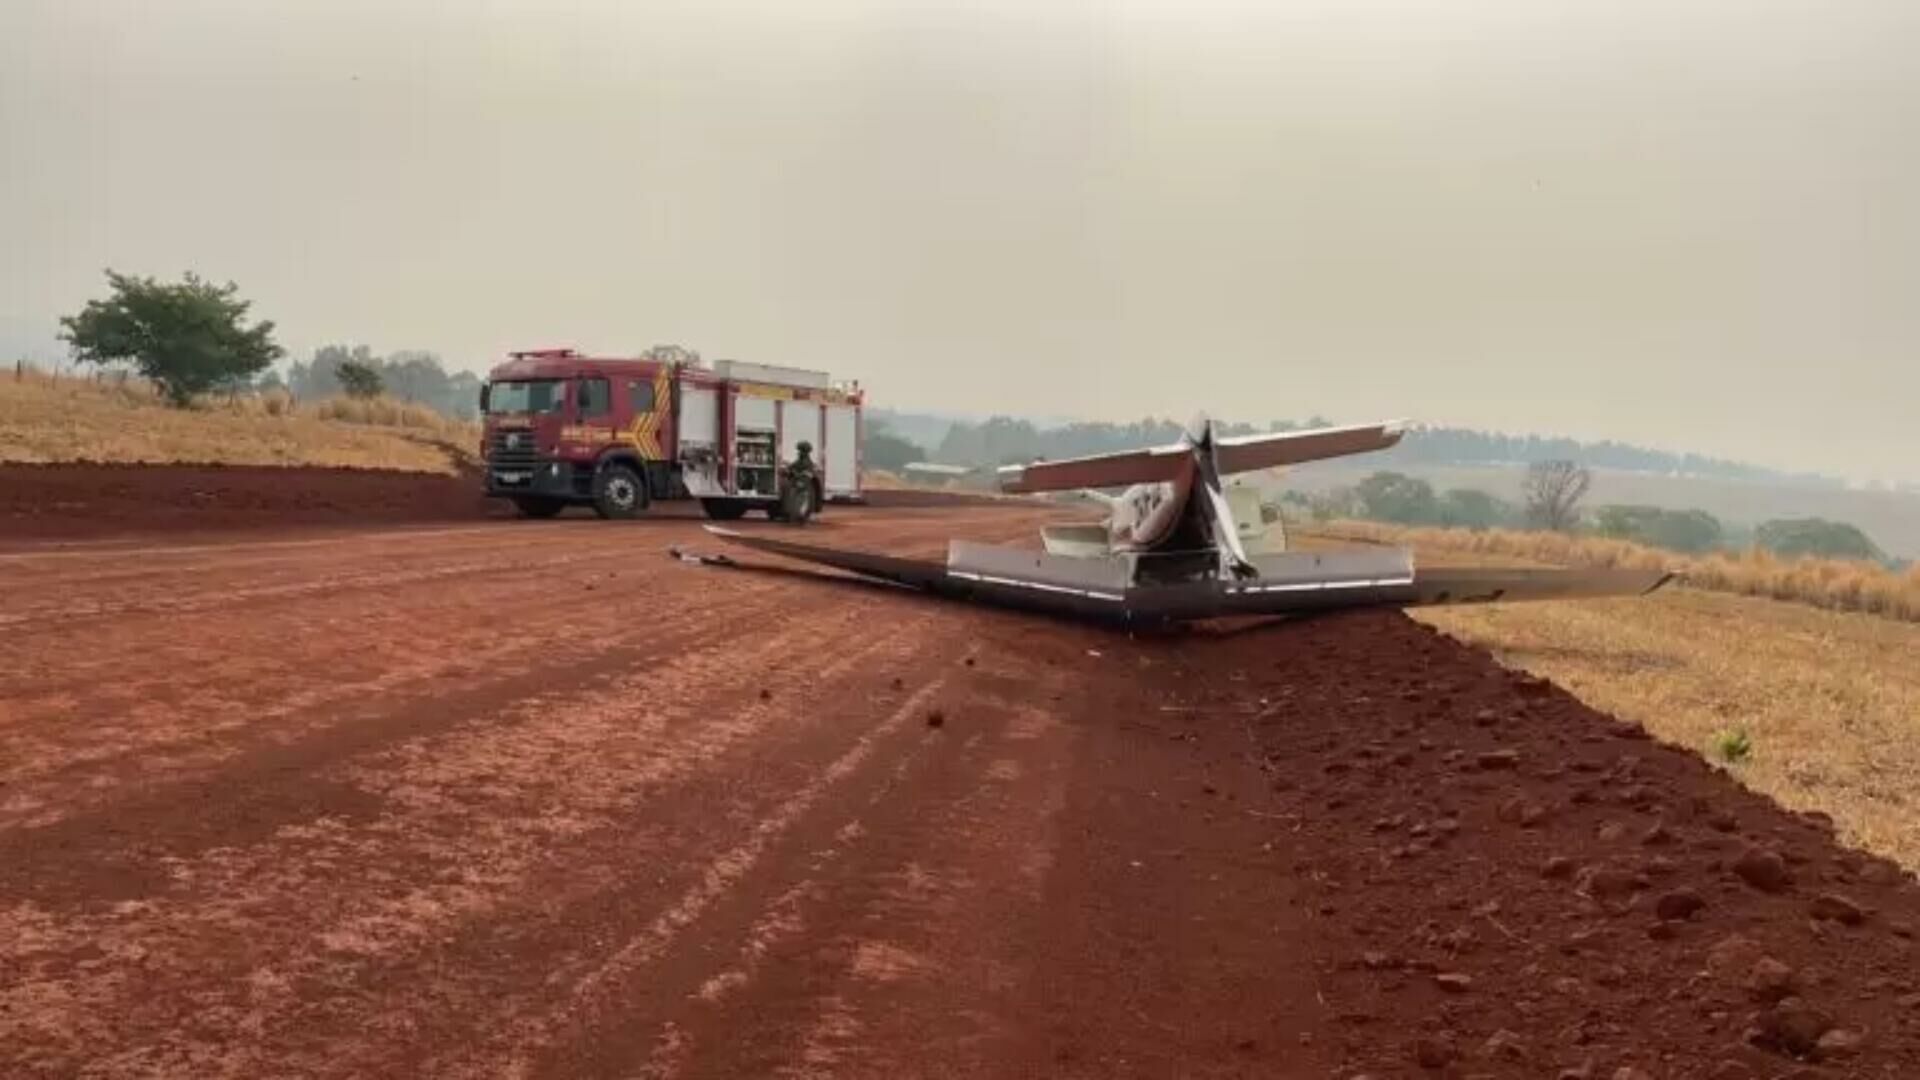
534,507
724,509
618,492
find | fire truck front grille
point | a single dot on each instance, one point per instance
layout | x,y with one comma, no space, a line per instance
511,449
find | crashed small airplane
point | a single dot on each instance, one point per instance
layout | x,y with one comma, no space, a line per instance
1170,549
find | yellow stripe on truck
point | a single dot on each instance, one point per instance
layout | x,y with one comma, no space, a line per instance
645,432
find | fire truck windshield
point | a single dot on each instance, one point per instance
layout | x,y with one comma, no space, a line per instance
523,396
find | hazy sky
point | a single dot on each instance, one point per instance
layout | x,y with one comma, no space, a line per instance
1684,223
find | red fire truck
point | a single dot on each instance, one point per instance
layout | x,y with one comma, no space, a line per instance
562,428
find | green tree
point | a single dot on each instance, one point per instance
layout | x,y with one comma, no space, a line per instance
1399,498
674,354
361,379
1675,530
1815,536
1471,508
413,375
880,448
1335,502
187,338
463,395
320,377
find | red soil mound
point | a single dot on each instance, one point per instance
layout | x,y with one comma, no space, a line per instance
82,500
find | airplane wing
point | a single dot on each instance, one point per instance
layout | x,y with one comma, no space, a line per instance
1246,453
1155,465
931,468
1474,585
1289,584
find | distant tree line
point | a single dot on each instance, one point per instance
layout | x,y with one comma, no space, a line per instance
1553,502
1463,446
409,375
1003,440
1399,499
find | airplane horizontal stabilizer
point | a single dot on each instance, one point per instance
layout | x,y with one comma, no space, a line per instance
1165,464
1247,453
1157,465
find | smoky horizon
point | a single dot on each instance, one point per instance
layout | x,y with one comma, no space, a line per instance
1691,226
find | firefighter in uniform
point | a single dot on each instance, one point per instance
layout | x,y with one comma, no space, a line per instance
797,493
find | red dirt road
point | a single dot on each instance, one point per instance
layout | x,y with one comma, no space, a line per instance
532,800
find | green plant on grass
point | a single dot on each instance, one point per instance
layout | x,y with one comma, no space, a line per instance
1733,745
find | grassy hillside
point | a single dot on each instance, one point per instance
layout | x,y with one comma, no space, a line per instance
47,418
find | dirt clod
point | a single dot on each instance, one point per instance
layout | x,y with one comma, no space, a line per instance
1733,956
1838,1044
1606,883
1433,1053
1770,980
1678,904
1763,869
1791,1026
1504,1045
1836,908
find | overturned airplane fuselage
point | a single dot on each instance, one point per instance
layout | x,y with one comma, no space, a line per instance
1170,550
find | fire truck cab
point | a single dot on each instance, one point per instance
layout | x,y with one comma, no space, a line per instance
562,428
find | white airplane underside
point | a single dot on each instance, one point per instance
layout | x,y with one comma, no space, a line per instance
1172,549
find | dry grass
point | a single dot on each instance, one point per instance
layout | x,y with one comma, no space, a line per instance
48,418
1838,584
1829,701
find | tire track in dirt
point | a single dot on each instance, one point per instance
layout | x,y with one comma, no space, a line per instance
342,647
699,654
910,926
69,612
210,882
332,716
